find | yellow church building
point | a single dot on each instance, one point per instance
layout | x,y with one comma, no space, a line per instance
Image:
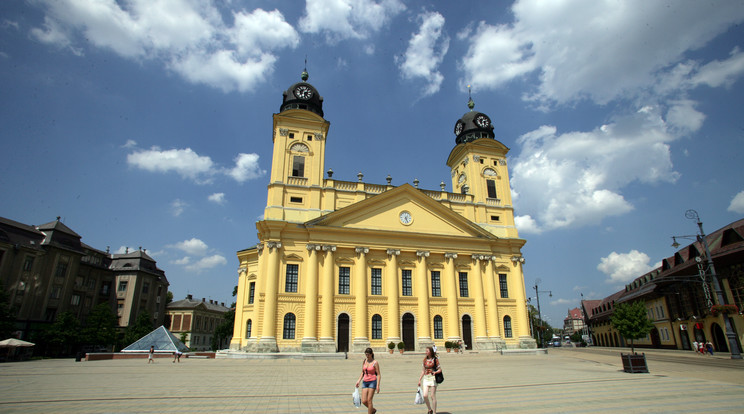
345,265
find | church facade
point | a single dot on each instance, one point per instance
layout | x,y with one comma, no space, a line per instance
345,265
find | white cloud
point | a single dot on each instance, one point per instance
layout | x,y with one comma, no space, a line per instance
684,117
624,267
575,178
184,162
426,50
721,73
565,302
598,50
194,247
130,144
177,207
207,263
737,203
218,198
246,168
182,262
188,37
348,19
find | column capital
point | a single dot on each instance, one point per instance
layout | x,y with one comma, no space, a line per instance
450,256
422,253
393,252
274,245
260,247
328,248
364,250
242,270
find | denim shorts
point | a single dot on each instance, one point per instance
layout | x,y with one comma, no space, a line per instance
369,384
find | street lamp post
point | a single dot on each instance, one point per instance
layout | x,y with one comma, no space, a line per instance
539,313
730,335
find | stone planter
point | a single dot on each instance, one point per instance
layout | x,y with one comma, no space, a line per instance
634,363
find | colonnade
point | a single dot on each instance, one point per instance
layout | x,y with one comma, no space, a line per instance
318,281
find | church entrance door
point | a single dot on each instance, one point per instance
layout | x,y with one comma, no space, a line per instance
409,331
342,336
467,332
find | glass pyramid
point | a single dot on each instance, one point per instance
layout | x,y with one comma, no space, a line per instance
162,339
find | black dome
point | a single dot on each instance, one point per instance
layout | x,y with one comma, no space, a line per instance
473,125
302,95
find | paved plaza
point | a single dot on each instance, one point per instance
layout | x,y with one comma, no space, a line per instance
564,380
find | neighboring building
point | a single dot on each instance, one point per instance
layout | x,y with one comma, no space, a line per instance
677,300
345,265
198,319
574,322
47,271
140,286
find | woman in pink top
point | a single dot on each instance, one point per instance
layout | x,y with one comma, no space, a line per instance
427,380
370,379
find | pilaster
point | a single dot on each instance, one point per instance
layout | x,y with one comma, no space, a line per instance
393,294
361,340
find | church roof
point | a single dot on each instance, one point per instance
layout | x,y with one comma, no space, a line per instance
162,339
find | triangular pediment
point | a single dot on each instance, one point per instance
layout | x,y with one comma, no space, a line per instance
383,213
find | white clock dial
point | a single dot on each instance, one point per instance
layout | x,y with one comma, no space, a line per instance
406,218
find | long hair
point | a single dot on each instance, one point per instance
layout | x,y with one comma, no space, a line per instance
431,352
370,351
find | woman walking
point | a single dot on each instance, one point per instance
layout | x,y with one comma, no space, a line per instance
370,379
429,383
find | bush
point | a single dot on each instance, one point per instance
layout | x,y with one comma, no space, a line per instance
391,345
448,344
401,345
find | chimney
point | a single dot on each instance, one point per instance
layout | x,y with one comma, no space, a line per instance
210,302
223,304
204,299
189,296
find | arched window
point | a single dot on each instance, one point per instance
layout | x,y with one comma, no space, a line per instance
377,327
289,326
248,327
438,328
507,326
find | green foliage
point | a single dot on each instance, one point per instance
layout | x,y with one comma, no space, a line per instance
401,345
235,291
168,297
391,345
224,330
576,337
100,327
631,320
7,316
142,326
183,336
63,335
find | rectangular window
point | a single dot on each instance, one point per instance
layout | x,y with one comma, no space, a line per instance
377,327
56,290
295,199
251,292
290,284
28,264
436,287
503,286
298,166
75,300
438,329
406,285
376,288
491,187
61,268
123,286
145,287
105,287
343,280
463,284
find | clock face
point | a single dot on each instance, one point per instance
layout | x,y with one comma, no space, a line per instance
482,121
458,128
303,92
406,218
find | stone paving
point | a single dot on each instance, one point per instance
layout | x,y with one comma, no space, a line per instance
564,380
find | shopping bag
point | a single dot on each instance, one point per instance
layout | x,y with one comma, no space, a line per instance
357,398
419,397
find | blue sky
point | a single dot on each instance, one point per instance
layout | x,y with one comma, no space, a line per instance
148,122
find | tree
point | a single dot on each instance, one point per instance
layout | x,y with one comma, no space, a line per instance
224,330
576,337
631,320
7,317
100,327
142,326
63,335
168,297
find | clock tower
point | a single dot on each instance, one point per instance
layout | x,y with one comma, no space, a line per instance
478,168
298,160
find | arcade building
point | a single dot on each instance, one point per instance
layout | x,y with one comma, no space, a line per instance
345,265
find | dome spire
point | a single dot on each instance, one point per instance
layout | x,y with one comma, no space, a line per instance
471,104
305,75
